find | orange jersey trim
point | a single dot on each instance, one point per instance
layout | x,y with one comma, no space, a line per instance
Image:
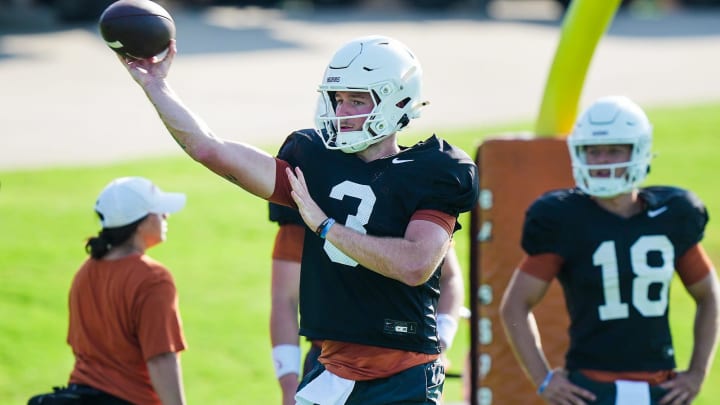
289,242
446,221
694,265
281,193
651,377
543,266
361,362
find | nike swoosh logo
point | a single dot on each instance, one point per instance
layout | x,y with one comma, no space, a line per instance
398,161
654,213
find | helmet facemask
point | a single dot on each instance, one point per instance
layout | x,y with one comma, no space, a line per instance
618,182
386,70
611,121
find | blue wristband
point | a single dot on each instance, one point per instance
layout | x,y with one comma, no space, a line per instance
546,382
325,227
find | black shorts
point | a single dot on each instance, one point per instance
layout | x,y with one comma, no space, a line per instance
422,384
311,358
76,394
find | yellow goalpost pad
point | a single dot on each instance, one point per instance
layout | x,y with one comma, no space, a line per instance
585,23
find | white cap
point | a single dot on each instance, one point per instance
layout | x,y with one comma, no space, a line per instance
127,199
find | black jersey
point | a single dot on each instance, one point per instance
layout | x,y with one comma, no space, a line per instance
341,300
616,272
284,215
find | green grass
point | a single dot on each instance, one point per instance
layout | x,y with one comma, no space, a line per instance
219,250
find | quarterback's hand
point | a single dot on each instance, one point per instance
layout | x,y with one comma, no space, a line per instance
145,71
309,210
682,389
561,391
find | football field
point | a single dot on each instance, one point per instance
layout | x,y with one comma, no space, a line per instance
72,120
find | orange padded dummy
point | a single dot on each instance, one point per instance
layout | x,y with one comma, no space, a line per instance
513,173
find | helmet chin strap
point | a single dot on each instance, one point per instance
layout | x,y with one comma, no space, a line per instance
360,146
355,146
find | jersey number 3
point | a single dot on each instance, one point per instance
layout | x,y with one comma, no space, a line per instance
358,221
605,256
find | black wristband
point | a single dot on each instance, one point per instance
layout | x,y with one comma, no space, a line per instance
320,227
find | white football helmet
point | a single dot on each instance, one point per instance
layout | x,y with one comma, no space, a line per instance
611,121
386,69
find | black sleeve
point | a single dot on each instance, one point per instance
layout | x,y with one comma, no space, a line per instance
687,214
455,182
455,192
541,229
295,146
284,215
692,221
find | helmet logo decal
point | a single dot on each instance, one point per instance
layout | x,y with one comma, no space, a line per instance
333,79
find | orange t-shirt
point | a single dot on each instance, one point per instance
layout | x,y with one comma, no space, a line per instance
122,313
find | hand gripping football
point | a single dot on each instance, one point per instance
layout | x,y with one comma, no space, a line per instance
137,29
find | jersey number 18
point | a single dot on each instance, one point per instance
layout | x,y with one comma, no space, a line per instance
605,256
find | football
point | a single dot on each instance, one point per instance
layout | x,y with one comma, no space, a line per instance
138,29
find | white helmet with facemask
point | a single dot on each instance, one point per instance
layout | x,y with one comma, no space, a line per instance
611,121
386,69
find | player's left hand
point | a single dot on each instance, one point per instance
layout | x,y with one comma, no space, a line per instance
309,210
682,389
